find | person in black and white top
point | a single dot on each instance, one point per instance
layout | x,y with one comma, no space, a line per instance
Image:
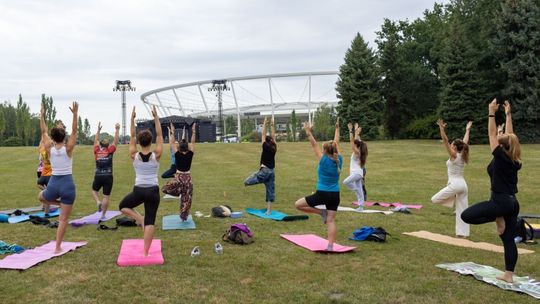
146,189
503,206
266,174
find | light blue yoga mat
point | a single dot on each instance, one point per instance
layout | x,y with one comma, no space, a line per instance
26,217
173,222
274,215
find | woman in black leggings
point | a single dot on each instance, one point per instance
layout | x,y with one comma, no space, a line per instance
503,207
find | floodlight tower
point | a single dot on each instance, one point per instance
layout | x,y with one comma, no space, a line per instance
123,86
219,86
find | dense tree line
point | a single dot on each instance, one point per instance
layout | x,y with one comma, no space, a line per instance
20,127
450,63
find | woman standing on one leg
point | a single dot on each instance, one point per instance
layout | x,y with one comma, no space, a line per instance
503,207
182,179
61,189
355,181
146,189
266,173
172,170
103,154
330,163
456,190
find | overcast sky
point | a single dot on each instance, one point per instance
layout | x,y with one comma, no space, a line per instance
75,50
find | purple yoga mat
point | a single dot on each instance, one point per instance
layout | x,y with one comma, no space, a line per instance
31,257
315,243
94,219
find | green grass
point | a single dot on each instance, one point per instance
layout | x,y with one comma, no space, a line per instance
271,270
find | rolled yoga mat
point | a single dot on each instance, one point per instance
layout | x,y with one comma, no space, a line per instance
173,222
31,257
489,275
26,217
131,253
315,243
94,219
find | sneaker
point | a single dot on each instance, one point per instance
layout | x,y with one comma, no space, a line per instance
195,252
360,208
218,248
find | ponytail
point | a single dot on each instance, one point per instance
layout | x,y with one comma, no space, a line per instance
514,148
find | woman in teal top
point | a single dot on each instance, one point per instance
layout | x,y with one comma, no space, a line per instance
330,163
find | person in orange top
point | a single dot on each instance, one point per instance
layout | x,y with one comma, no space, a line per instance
45,165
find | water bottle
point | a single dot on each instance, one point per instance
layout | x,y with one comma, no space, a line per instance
518,239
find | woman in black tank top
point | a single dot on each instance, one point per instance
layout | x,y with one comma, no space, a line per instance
266,174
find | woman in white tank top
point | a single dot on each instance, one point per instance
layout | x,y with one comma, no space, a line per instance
355,181
146,189
61,188
456,191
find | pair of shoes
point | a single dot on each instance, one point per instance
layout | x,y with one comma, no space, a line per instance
196,251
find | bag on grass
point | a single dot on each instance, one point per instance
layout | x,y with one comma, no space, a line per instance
238,234
378,235
126,222
362,233
524,230
221,211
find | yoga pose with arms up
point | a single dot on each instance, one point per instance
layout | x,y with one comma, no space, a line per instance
503,206
330,163
146,189
266,174
182,184
172,169
456,191
103,154
61,188
44,170
355,181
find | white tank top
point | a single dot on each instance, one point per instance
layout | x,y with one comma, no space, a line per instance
355,165
146,173
61,163
455,167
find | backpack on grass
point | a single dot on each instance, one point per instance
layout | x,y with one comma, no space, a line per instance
126,222
524,230
238,234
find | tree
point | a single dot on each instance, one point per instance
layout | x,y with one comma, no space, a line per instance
50,111
23,123
289,132
324,123
80,133
230,125
86,131
518,44
247,126
295,124
358,89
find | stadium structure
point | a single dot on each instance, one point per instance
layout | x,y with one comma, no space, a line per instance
210,102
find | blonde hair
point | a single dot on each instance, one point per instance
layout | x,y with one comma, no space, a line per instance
330,148
510,143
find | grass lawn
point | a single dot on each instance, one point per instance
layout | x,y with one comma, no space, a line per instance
271,270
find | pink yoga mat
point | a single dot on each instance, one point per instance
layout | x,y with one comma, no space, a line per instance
131,253
94,219
31,257
383,204
315,243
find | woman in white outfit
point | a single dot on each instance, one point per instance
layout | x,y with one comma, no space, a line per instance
456,191
355,181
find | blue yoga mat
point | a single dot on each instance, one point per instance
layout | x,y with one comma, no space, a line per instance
274,215
173,222
26,217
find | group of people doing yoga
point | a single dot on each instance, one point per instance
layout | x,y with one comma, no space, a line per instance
502,208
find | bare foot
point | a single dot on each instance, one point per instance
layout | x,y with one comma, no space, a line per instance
58,250
507,276
501,225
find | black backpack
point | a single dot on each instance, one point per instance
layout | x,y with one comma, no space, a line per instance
524,230
221,211
126,222
378,235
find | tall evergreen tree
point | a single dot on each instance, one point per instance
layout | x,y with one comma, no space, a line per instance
294,125
518,42
358,89
50,110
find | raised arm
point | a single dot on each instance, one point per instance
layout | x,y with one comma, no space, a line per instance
73,138
312,141
357,131
133,139
351,139
444,138
45,139
159,134
508,112
263,133
467,132
96,138
336,135
191,146
273,129
116,134
492,128
172,146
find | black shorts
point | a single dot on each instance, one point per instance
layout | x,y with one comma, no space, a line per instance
149,196
105,181
329,199
43,180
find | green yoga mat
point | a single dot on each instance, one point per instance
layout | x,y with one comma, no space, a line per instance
488,274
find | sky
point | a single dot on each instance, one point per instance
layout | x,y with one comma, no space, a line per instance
75,50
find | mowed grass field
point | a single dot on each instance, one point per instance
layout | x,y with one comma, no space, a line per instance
271,270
